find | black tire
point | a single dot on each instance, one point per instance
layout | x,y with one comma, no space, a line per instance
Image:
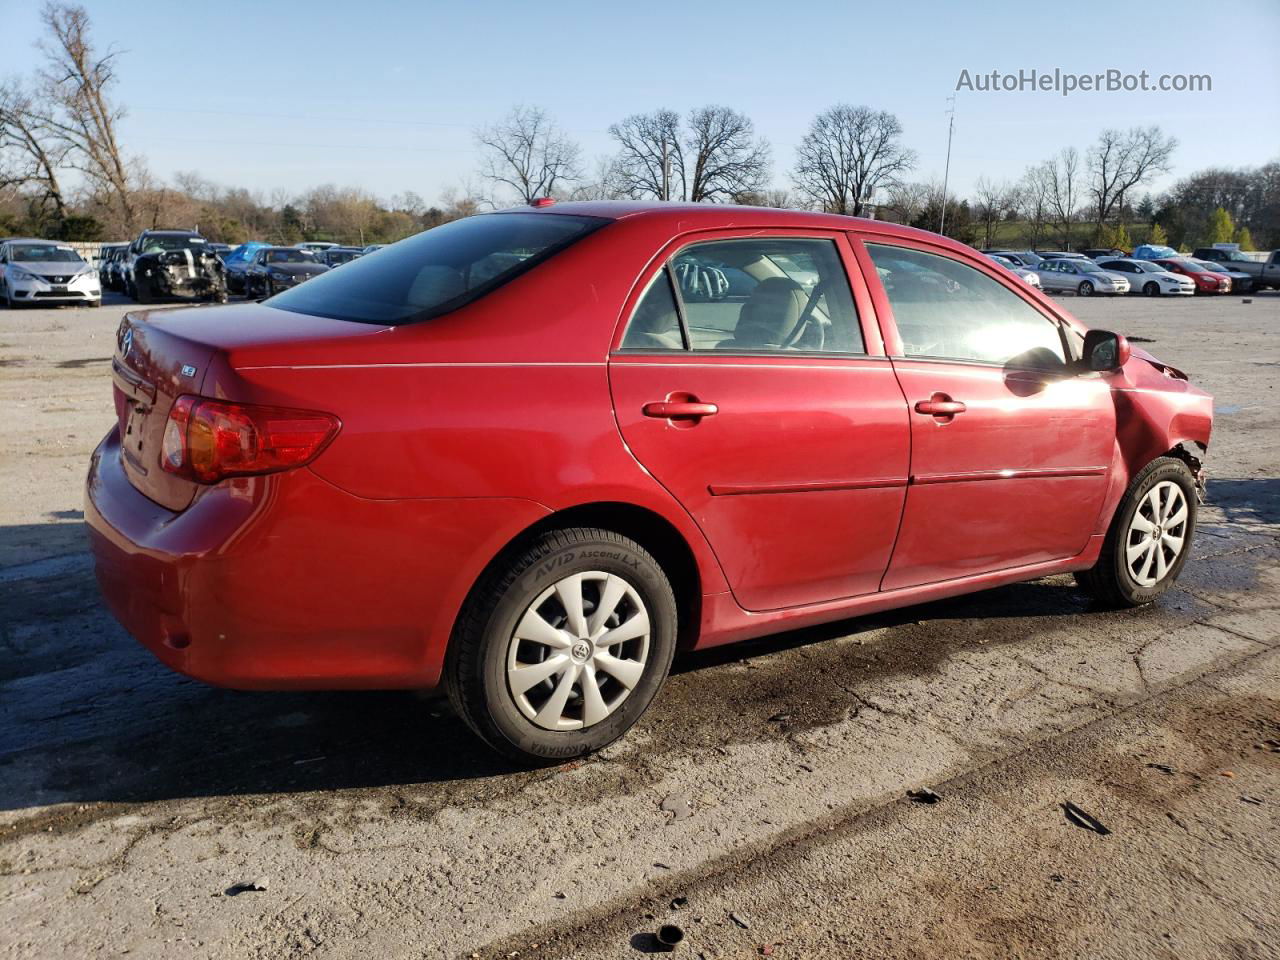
269,288
1152,289
1109,581
95,303
475,667
1085,289
142,291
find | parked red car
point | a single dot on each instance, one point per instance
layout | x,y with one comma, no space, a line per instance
529,454
1206,280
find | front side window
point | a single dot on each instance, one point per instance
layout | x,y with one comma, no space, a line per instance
438,270
948,310
758,295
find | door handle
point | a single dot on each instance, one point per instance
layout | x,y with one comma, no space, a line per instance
940,405
679,409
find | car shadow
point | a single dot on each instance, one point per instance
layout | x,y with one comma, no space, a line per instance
89,717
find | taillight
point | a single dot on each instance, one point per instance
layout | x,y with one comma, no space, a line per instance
208,440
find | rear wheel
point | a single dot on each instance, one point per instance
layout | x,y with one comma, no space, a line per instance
562,646
142,291
1149,538
1085,289
1152,289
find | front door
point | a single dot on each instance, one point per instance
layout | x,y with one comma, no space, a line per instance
745,385
1009,453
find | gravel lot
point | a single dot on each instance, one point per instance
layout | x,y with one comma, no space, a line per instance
133,801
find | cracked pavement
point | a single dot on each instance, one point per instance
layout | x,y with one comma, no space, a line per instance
134,801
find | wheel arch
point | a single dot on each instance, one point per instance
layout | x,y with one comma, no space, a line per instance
645,526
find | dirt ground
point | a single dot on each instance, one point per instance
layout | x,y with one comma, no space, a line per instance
134,802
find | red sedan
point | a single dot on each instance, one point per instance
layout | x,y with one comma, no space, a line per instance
529,454
1206,280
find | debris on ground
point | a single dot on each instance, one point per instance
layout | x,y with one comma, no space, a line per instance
1227,773
1253,800
780,718
1162,767
679,902
253,885
923,795
669,936
1083,819
678,805
739,921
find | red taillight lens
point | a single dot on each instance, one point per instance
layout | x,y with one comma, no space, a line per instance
208,440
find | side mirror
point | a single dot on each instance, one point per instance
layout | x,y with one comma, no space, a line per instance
1105,351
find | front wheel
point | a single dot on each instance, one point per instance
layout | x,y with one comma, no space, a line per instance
1152,289
1085,289
1149,538
562,646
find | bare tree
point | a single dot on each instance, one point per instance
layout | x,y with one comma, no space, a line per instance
1121,162
993,201
907,201
1063,173
77,84
1034,199
603,183
30,152
527,152
650,160
726,160
848,153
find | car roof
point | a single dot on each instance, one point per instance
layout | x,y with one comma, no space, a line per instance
170,233
684,216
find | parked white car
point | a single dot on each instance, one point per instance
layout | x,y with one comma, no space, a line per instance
1080,276
1150,278
45,271
1030,276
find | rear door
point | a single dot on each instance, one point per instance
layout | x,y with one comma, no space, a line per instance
1010,453
750,385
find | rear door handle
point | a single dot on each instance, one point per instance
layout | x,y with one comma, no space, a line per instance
940,405
679,410
940,408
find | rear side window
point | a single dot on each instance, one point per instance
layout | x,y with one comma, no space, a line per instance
758,295
439,270
948,310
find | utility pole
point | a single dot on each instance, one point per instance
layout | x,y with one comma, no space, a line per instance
946,171
666,170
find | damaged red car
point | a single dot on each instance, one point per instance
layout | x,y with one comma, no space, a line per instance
529,455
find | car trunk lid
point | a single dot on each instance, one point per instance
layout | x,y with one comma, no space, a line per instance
163,355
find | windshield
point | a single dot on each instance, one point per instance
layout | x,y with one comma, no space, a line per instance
290,256
438,270
1191,266
156,244
43,253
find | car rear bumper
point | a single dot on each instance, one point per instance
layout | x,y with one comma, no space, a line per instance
288,582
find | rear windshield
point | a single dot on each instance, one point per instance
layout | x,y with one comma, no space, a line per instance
42,253
290,255
437,271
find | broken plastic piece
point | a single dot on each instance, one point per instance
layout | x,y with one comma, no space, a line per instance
1083,819
923,795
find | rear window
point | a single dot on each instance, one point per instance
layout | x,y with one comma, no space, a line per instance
439,270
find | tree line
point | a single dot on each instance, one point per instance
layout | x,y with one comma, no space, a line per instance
60,126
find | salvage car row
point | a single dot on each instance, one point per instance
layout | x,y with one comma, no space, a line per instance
1152,271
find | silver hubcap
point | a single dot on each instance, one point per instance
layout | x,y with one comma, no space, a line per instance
578,651
1157,533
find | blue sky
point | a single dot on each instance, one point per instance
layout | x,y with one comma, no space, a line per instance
386,95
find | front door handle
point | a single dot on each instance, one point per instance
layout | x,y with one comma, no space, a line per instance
940,405
679,409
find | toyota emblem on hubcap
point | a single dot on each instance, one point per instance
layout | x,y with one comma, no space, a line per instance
581,651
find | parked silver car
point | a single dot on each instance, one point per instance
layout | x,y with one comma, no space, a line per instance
1150,278
46,271
1241,281
1030,276
1082,277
